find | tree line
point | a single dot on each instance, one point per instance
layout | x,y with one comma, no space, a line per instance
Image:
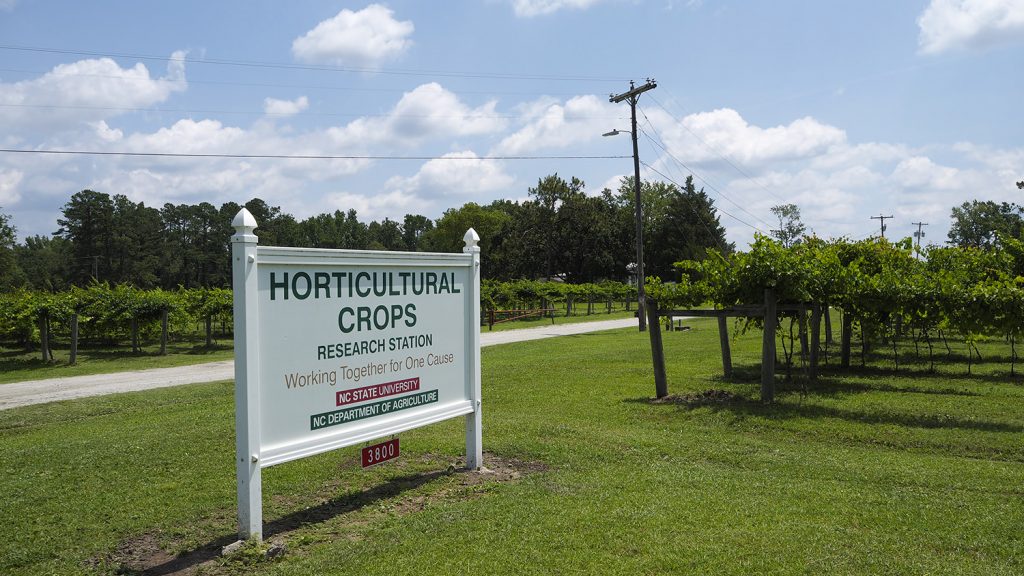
560,232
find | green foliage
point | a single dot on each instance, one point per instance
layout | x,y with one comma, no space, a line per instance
790,229
687,229
11,274
980,224
968,290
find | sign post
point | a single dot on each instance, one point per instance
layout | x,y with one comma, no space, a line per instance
247,374
474,442
340,347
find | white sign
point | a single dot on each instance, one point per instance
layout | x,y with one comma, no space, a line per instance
339,347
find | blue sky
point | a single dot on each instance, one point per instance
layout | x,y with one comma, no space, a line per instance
847,109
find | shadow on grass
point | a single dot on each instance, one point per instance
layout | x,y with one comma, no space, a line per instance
284,525
782,410
752,373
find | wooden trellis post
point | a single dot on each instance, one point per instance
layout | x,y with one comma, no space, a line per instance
723,337
768,348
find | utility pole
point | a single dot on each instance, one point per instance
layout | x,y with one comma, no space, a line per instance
919,234
882,220
632,96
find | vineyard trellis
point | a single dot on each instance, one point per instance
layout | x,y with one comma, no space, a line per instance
107,314
886,291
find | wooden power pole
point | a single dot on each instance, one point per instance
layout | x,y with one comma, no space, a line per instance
631,96
882,220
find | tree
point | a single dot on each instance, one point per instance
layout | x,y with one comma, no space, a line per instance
591,246
385,235
980,224
790,229
414,226
448,233
11,275
273,227
44,259
550,193
88,225
196,239
654,200
516,249
688,227
338,230
135,243
1020,184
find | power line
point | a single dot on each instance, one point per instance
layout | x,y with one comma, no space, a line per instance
660,144
718,153
296,156
280,85
704,223
313,67
264,113
712,187
719,208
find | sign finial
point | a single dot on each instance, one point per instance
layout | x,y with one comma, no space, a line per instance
472,239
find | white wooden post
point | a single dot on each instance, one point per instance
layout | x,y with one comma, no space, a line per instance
474,440
247,399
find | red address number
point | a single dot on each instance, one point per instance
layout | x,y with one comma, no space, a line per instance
379,453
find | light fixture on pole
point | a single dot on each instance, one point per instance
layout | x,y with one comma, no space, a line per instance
631,96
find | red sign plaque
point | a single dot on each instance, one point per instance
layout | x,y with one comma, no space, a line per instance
380,453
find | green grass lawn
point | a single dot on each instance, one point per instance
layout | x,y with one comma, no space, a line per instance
17,365
867,473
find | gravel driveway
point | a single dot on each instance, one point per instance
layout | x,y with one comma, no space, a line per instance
54,389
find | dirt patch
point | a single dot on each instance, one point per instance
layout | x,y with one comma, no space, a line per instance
704,398
134,555
498,469
146,555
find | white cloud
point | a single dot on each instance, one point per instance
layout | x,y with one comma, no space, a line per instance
868,154
273,106
105,133
921,173
455,174
9,181
705,137
952,24
429,111
194,137
531,8
156,180
550,124
837,184
364,38
393,204
8,5
86,91
1006,165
